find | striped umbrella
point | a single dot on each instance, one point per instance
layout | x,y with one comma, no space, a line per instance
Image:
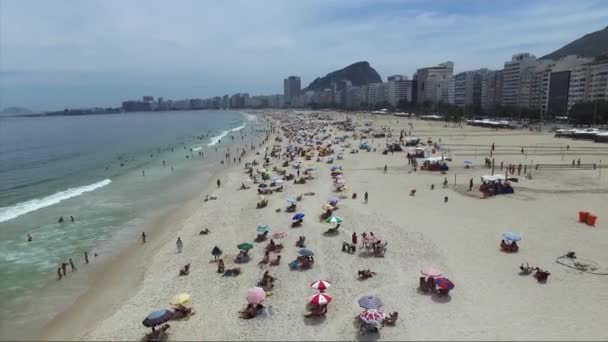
157,318
279,235
370,302
320,285
334,219
320,299
256,295
372,316
431,272
444,283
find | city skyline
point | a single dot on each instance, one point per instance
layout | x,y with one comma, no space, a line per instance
87,54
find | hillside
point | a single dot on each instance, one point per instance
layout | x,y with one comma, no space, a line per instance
359,73
590,45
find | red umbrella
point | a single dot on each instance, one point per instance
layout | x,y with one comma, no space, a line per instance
320,285
372,316
256,295
320,299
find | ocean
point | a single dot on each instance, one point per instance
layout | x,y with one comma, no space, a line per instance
110,172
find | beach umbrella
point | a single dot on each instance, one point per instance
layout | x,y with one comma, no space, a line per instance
327,207
370,302
291,200
334,168
468,162
444,283
298,216
337,171
263,228
333,199
279,235
372,316
306,252
430,272
320,299
320,285
511,236
334,219
157,318
216,251
256,295
340,181
339,177
262,198
181,299
245,246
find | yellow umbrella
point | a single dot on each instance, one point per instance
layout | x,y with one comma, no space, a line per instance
181,299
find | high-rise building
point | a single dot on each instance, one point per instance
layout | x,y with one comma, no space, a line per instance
399,88
291,89
468,87
517,79
435,83
598,80
491,89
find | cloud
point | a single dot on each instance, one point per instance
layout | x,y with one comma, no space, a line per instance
206,48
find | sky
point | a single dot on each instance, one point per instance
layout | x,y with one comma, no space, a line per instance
72,53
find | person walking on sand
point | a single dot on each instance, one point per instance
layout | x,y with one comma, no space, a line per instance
64,268
60,219
471,184
86,257
218,183
72,265
143,237
72,219
365,197
59,273
385,168
354,239
180,245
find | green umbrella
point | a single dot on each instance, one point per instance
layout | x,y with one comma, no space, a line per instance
334,219
245,246
263,228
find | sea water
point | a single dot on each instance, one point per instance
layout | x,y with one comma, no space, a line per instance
104,170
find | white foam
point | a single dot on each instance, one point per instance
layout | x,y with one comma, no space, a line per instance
250,117
217,138
9,213
197,148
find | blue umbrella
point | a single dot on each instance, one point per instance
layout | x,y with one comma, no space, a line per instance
334,168
370,302
511,236
444,283
305,252
333,199
297,216
468,162
157,318
310,169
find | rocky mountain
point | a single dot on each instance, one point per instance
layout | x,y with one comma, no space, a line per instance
359,73
590,45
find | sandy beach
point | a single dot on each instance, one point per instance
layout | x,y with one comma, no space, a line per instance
461,237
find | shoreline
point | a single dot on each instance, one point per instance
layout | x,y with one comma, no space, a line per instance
121,276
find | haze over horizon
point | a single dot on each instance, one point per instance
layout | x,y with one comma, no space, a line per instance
65,53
